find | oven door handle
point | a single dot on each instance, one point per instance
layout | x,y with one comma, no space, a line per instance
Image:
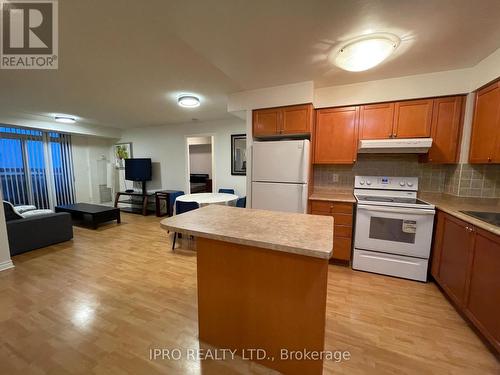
397,210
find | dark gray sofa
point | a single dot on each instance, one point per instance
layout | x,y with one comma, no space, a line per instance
26,234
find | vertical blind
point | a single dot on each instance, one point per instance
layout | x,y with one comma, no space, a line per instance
36,167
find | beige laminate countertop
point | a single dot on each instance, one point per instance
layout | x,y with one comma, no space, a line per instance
333,196
309,235
453,205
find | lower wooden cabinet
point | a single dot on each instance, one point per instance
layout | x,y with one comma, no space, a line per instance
342,228
483,302
466,264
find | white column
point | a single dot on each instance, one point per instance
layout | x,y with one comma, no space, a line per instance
249,156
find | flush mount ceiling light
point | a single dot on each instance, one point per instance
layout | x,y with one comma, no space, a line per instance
65,119
188,101
366,52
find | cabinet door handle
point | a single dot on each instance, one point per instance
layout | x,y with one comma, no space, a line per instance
489,159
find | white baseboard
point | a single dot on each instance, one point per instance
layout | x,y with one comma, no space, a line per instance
6,265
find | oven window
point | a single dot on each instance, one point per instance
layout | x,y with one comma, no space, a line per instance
395,230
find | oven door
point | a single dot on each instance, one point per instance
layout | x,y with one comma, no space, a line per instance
395,230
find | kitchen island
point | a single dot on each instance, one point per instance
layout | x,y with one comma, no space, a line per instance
262,282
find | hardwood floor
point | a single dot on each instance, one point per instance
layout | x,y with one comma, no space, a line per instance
98,304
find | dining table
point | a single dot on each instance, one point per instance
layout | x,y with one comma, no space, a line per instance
204,199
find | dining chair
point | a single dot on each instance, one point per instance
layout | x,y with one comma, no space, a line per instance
182,207
241,202
227,191
173,197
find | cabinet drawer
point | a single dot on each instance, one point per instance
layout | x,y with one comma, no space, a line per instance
342,248
342,231
332,207
342,219
322,206
342,208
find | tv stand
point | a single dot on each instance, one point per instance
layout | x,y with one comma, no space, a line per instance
138,205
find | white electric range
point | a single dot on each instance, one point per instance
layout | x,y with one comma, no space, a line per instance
393,230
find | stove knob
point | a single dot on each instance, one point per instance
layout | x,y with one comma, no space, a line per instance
401,183
362,182
409,183
368,182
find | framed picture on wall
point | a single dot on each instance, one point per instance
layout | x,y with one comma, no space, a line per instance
122,151
238,154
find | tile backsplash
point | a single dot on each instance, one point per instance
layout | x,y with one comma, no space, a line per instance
462,179
474,180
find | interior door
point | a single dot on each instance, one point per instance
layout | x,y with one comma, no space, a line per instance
413,118
376,121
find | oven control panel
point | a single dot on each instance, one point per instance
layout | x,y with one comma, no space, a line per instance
386,182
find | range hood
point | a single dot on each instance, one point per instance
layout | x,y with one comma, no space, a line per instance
395,146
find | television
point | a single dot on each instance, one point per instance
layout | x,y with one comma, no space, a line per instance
138,169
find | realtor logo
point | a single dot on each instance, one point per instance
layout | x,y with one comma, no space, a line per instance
29,34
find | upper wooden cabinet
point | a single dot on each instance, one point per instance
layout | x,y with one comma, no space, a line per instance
376,121
290,120
412,119
406,119
485,138
336,135
446,130
266,121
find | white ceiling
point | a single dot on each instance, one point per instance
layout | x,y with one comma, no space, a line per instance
123,62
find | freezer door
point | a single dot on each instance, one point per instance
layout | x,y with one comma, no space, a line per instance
279,197
281,161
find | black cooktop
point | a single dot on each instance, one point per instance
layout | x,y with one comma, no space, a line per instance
489,217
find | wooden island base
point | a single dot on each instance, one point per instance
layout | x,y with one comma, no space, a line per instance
254,298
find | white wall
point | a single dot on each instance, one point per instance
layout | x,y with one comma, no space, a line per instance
87,151
5,262
200,159
43,122
460,81
401,88
294,93
166,145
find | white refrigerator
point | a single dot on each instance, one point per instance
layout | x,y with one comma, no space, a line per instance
280,175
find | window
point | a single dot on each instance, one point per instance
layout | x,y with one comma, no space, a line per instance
36,167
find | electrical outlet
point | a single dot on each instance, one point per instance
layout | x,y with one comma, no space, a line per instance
335,177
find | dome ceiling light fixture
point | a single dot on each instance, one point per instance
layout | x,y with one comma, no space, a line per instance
65,119
366,52
188,101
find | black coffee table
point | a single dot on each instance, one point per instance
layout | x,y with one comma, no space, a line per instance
95,213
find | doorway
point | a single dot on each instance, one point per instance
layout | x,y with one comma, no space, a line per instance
200,164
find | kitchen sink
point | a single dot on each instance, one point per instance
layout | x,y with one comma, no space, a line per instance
489,217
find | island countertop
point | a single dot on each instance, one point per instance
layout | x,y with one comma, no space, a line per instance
309,235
